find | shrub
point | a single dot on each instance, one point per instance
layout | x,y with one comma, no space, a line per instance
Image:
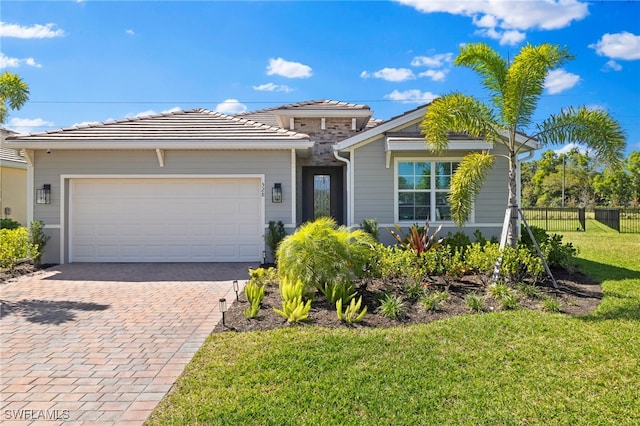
274,235
433,300
414,289
529,290
418,239
262,276
481,259
391,306
371,227
318,254
8,223
509,302
504,295
474,302
459,240
454,264
519,264
557,254
38,240
352,313
15,246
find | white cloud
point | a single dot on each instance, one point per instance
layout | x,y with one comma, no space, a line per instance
130,32
612,65
29,125
559,80
435,75
411,96
395,75
152,112
270,87
35,31
436,61
288,69
7,62
231,107
622,45
505,20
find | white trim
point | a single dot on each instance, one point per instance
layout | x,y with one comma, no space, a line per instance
160,155
126,144
348,184
292,123
353,123
30,192
11,164
294,188
69,177
352,194
396,207
418,144
323,123
444,224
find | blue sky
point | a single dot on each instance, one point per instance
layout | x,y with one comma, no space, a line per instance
88,61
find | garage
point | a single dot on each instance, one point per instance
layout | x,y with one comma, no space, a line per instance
187,219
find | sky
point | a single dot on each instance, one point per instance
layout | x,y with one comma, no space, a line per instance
92,61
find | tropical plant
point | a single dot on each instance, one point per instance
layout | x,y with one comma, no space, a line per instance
352,313
294,308
514,89
13,93
392,306
254,291
417,239
474,302
338,291
433,300
371,227
319,253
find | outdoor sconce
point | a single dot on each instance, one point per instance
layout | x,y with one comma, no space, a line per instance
236,288
276,193
43,195
222,304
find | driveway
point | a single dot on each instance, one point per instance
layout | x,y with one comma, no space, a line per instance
103,343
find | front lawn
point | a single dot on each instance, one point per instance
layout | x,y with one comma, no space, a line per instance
509,367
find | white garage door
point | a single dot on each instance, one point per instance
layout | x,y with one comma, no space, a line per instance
166,220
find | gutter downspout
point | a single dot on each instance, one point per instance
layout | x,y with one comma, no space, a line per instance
348,194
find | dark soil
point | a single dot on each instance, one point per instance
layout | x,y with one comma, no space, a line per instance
577,293
23,269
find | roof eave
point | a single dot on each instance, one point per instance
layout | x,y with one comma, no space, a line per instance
160,144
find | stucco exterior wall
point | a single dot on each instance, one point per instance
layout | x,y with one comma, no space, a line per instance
13,191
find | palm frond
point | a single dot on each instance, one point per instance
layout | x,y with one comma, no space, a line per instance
13,91
458,113
594,128
466,184
525,81
488,64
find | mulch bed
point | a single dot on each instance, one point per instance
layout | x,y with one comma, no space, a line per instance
577,293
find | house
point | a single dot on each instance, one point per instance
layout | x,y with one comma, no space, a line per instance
13,181
200,186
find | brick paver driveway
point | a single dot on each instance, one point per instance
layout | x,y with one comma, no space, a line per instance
103,343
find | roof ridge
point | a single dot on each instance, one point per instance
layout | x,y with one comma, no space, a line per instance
253,123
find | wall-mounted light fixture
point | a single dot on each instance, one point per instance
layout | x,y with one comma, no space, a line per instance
276,193
43,195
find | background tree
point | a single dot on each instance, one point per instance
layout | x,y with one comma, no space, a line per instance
515,89
13,93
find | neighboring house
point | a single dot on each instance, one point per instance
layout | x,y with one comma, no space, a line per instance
13,182
202,186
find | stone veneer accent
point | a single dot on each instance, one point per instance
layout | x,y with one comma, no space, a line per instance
336,130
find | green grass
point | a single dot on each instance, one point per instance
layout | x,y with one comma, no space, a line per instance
507,368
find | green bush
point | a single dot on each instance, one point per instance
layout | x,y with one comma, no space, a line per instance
274,235
8,223
474,302
551,304
433,300
318,254
481,259
335,291
37,239
392,306
557,254
15,246
371,227
519,264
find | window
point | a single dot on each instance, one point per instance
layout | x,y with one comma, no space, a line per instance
422,189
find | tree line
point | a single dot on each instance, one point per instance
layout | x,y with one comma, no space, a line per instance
578,179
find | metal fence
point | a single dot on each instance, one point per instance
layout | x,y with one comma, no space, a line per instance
556,219
623,220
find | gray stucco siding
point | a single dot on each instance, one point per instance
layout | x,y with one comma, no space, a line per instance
274,165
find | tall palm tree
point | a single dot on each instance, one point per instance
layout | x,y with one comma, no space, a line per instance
13,93
515,89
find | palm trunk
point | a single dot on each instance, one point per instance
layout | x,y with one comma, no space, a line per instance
512,236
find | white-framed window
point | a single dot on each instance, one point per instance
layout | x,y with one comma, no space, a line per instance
421,189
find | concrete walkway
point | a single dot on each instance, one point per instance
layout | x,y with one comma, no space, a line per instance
103,343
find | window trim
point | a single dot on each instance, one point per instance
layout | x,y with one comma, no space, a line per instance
396,206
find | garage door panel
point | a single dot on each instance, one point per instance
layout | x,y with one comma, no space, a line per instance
160,220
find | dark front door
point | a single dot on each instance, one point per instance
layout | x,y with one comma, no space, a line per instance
322,193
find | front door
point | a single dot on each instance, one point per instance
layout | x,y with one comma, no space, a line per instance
322,193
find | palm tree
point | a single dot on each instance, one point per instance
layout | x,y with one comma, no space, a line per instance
515,89
13,93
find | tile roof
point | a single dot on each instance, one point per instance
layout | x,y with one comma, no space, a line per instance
9,154
268,115
189,125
